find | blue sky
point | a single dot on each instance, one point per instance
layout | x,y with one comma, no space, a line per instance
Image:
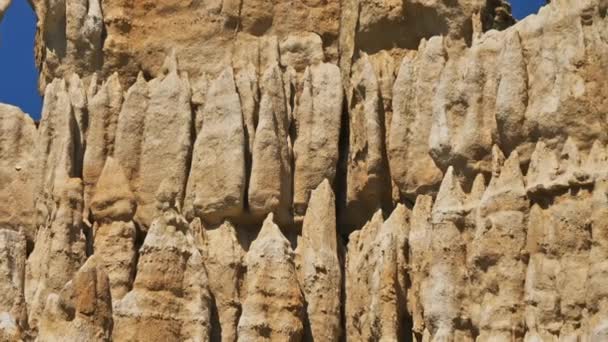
18,74
522,8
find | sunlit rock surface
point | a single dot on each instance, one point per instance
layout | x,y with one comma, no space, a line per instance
355,170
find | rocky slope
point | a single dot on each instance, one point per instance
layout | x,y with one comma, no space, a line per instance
362,170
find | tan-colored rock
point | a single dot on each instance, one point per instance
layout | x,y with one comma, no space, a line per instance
17,171
165,156
301,50
113,207
60,247
596,294
246,81
130,130
375,279
270,184
104,107
377,100
496,257
445,287
79,100
317,119
419,243
216,185
543,170
558,269
170,298
69,38
273,308
367,177
416,171
13,309
57,146
595,163
223,257
463,128
512,93
82,311
318,265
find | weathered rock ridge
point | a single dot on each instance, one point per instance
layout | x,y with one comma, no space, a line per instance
355,170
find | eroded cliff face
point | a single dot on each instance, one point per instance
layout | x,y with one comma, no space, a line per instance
359,170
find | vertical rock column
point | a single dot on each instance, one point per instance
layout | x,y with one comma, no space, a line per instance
216,186
113,207
167,140
444,291
367,183
13,309
270,184
559,241
597,292
318,265
223,258
273,309
318,116
17,171
104,107
418,259
82,311
58,142
60,247
376,290
170,299
412,168
497,259
130,132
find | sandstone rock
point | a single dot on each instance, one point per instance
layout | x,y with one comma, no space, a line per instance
434,90
130,130
69,38
594,165
17,171
273,308
375,279
496,258
270,184
317,120
596,295
570,165
13,309
216,186
58,142
419,244
104,107
83,32
82,310
113,207
367,176
301,50
421,175
444,311
78,98
60,247
543,170
165,156
170,298
512,93
223,258
318,265
247,86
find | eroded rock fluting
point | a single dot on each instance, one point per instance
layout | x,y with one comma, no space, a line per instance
349,170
